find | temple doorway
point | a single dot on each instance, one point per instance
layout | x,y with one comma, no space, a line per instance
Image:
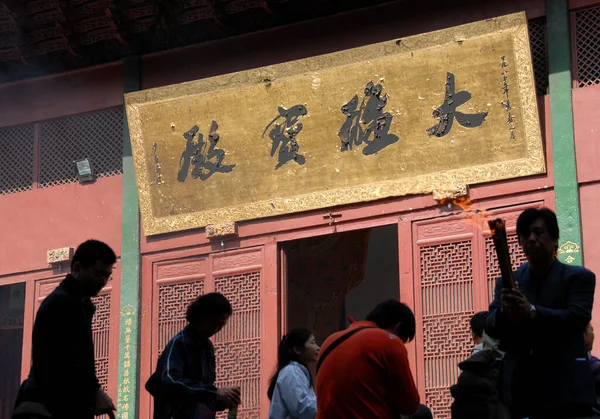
12,310
330,278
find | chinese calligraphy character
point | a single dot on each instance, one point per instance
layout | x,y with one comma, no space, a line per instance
205,162
447,112
157,169
371,114
506,102
128,322
283,136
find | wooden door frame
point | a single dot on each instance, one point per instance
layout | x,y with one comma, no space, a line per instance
273,285
33,283
269,304
405,285
492,206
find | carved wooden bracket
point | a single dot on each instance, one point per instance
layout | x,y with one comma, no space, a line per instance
450,194
219,231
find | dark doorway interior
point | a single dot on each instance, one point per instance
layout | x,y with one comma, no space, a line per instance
335,276
12,309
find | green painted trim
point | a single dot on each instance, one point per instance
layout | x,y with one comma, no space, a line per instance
128,388
566,187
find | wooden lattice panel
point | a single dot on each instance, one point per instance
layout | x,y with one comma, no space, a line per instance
587,30
16,159
237,346
491,261
538,45
101,335
97,136
447,305
173,300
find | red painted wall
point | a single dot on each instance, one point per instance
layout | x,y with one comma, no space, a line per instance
61,95
586,114
590,208
35,221
586,117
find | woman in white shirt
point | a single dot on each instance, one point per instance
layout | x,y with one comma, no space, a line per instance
291,389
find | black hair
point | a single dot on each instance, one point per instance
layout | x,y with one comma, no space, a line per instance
529,216
391,312
296,338
478,323
91,251
206,305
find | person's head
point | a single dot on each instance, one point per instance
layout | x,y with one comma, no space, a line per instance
537,229
395,317
92,265
298,345
209,313
477,326
588,335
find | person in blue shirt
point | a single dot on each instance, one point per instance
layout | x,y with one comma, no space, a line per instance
291,390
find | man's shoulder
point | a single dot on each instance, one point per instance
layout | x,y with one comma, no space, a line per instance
520,271
365,335
58,298
580,271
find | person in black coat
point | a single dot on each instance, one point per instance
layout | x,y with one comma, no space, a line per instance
540,325
62,383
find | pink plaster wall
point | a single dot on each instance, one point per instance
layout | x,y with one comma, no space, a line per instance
36,221
61,95
586,117
590,209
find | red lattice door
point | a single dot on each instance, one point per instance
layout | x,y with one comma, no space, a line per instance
101,329
446,296
455,270
174,295
237,275
237,346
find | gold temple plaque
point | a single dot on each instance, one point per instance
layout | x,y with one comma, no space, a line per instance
436,111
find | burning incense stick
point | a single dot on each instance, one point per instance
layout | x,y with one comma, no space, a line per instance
498,229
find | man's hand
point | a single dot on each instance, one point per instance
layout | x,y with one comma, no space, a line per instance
104,404
230,396
515,305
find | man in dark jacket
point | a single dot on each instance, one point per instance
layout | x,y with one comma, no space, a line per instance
540,325
62,383
183,385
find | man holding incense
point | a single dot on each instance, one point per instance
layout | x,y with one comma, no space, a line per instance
540,324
